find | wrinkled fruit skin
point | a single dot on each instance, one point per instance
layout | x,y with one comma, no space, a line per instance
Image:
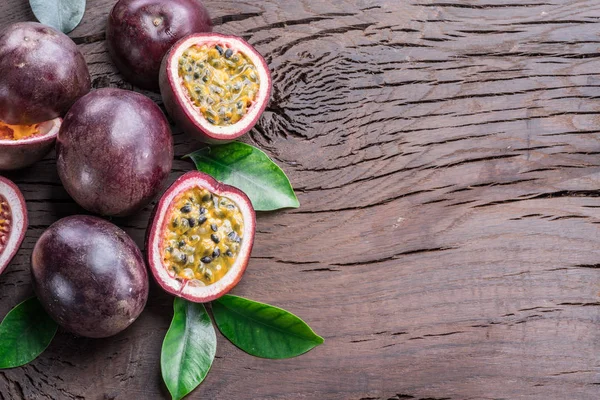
114,151
42,74
140,32
13,214
23,153
89,276
156,229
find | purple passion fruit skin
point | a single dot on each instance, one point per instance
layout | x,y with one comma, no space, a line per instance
114,151
43,74
140,32
90,276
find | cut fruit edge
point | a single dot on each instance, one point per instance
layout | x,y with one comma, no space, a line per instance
15,200
227,132
181,288
48,131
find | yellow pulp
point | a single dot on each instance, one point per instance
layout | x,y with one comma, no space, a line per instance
4,222
203,236
17,132
221,82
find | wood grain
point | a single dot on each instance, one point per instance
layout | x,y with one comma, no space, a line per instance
446,156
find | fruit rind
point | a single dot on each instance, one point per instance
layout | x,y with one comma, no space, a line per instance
182,109
19,213
17,154
157,225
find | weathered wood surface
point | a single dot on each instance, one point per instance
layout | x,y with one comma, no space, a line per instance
447,158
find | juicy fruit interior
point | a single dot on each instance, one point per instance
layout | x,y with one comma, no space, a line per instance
203,236
4,222
17,132
222,82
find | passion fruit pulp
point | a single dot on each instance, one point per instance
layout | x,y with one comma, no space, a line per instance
140,32
23,145
214,86
89,276
114,151
13,221
200,237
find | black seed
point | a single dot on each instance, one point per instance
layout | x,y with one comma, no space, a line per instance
181,243
183,257
228,53
219,49
233,236
192,222
169,249
214,238
205,79
196,75
212,121
186,209
231,206
214,227
240,105
185,222
202,210
228,253
201,220
216,253
206,260
175,223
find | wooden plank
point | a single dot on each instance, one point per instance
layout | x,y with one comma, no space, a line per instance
447,247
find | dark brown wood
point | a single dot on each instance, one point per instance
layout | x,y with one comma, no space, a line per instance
446,155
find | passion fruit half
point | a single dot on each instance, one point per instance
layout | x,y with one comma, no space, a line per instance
114,151
215,87
43,74
89,276
200,238
13,221
23,145
140,32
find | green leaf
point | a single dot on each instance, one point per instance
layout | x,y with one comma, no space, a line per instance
63,15
263,330
189,348
249,169
25,333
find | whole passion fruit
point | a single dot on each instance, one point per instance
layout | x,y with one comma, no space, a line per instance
200,238
42,74
13,221
140,32
89,276
23,145
214,86
114,151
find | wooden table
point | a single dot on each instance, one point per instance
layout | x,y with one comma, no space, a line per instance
447,158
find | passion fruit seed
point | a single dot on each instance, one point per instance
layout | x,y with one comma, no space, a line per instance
222,83
5,222
192,251
17,132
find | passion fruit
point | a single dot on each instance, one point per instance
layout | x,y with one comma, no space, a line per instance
114,151
23,145
200,238
13,221
43,74
140,32
214,86
89,276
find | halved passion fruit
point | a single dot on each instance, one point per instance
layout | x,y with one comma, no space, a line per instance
200,238
13,221
23,145
214,86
